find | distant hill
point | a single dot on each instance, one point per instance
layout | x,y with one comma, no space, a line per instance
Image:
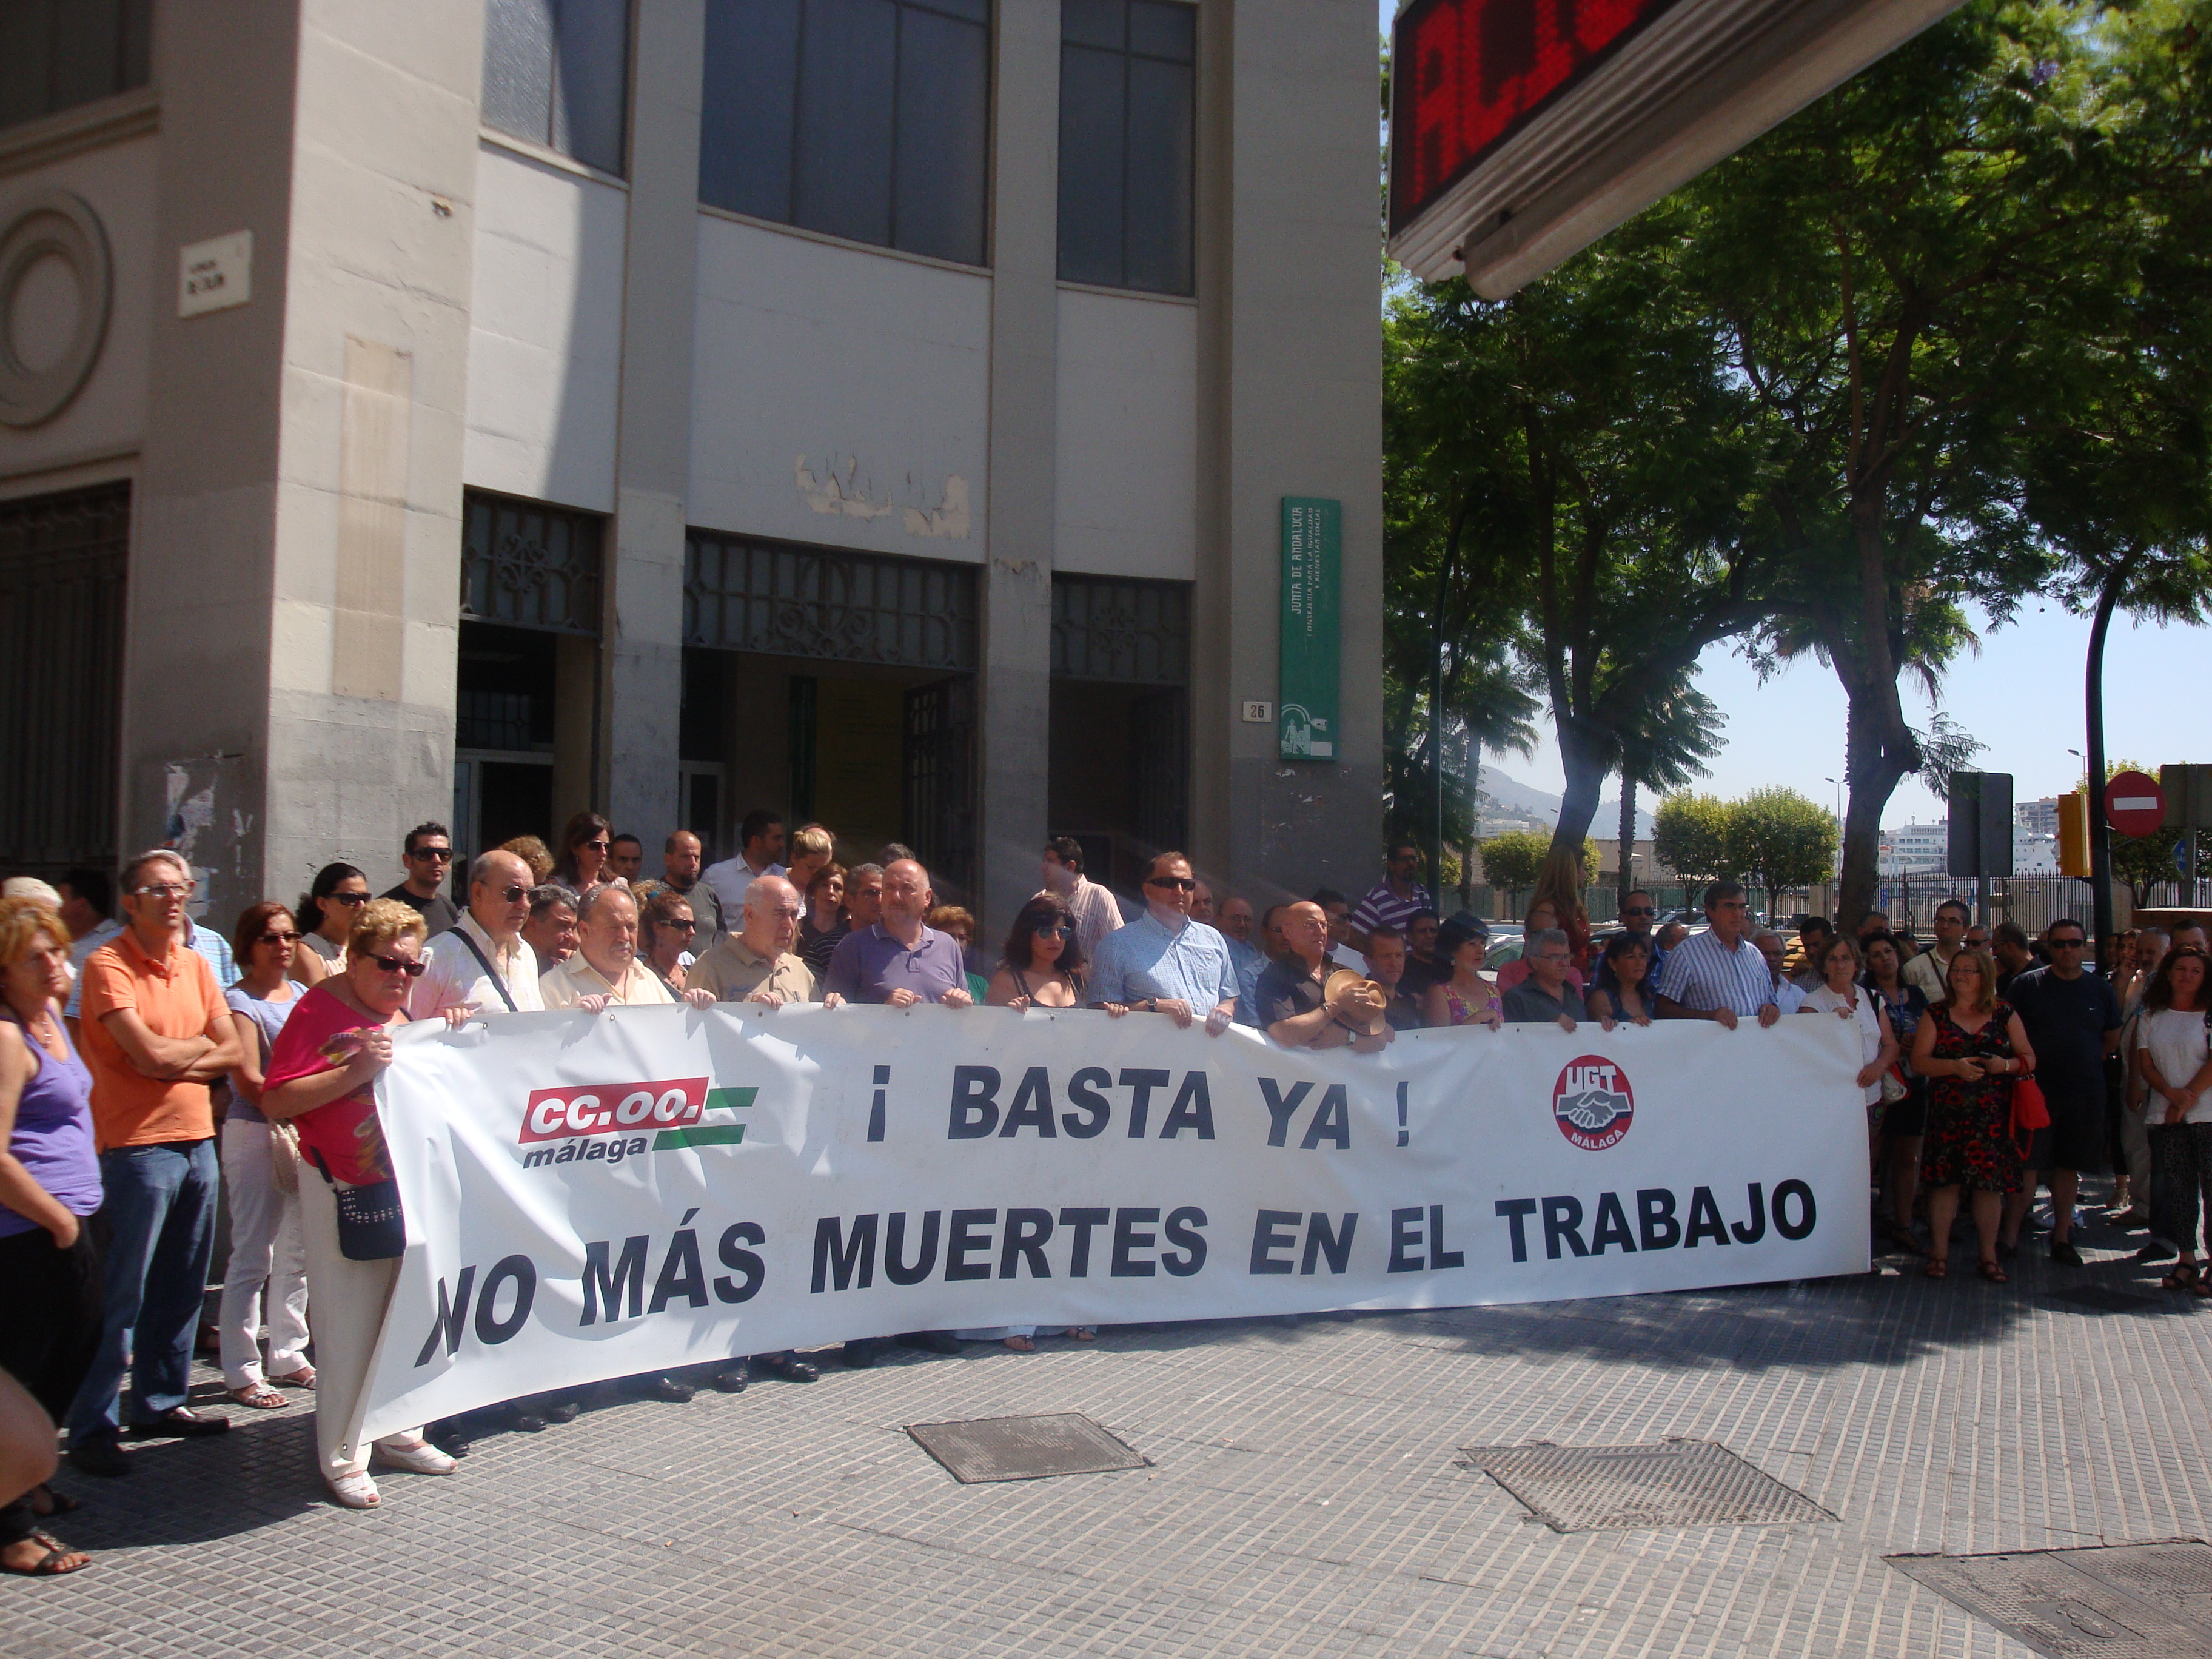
1517,799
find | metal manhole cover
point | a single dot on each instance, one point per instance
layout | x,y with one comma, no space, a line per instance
1677,1483
1025,1448
2116,1601
2107,1298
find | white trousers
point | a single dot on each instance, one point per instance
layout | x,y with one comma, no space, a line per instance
265,1249
349,1297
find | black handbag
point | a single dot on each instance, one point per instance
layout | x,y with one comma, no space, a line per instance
371,1225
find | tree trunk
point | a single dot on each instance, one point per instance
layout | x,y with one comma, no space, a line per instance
1628,854
1874,768
1473,775
1586,758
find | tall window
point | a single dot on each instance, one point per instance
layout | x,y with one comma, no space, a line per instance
864,119
55,54
557,72
1127,99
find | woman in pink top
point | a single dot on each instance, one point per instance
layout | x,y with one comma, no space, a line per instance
322,1078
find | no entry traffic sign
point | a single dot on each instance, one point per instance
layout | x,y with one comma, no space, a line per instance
2135,805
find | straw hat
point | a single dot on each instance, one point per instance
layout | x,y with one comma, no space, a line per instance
1347,994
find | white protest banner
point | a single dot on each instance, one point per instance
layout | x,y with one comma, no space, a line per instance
595,1196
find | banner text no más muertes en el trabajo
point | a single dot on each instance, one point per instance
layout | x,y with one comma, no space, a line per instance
591,1197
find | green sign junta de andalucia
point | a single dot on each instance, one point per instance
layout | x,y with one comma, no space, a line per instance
1313,541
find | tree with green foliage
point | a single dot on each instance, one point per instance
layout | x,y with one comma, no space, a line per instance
1513,860
1777,839
1585,451
1663,751
1904,273
1690,836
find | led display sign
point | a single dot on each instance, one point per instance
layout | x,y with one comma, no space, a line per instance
1468,73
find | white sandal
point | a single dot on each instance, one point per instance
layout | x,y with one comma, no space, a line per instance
420,1458
355,1491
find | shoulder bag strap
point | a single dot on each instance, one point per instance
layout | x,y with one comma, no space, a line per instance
483,961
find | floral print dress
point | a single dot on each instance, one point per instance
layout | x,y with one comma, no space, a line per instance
1970,1141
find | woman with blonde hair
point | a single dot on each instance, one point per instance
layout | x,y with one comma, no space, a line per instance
533,852
52,1306
811,851
322,1080
1971,1048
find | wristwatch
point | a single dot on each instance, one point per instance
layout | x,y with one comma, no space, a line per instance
1151,1004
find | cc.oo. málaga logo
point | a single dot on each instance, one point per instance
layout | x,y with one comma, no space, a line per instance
1592,1102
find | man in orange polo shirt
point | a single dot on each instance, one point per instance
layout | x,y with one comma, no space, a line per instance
154,1032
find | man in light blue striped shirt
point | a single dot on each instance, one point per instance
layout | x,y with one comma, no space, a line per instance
1719,975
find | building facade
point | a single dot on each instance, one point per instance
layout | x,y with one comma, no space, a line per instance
880,413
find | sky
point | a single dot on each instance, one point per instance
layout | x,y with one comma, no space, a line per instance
2022,696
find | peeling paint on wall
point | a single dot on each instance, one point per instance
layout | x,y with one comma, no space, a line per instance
832,493
846,494
950,522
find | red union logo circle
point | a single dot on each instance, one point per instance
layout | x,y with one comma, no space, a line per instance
1592,1102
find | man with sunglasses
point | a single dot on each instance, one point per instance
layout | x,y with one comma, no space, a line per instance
483,961
1639,914
2073,1022
428,853
156,1032
1392,901
1163,963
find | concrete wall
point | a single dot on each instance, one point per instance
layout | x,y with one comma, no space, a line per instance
1127,453
107,417
839,395
546,331
1290,405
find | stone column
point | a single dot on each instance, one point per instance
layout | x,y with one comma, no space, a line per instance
289,674
643,622
1290,405
1014,748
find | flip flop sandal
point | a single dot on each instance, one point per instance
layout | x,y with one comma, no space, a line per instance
44,1566
260,1397
302,1378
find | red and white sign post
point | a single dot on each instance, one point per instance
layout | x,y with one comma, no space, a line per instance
2135,804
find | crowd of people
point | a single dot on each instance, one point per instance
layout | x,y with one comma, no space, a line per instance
152,1069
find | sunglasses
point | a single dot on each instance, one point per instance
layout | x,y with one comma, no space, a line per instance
276,939
681,926
445,853
599,845
1054,931
1183,881
1640,910
2069,944
350,899
164,890
513,894
400,966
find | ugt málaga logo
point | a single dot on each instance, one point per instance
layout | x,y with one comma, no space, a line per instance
1593,1103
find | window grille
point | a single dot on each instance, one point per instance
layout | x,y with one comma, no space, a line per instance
1106,627
788,600
530,566
62,562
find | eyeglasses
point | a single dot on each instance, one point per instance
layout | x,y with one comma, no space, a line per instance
164,890
1183,881
400,966
276,939
445,853
1407,858
346,898
513,894
1640,910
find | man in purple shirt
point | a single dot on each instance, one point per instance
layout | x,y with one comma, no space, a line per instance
898,960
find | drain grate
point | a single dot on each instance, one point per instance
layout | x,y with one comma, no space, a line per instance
2116,1601
1677,1483
1025,1448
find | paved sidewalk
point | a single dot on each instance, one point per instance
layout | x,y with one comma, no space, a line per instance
1306,1497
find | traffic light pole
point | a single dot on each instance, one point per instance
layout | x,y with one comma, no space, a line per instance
2100,832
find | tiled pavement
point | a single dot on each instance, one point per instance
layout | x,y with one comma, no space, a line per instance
1306,1497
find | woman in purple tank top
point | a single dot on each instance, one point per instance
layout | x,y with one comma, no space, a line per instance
51,1305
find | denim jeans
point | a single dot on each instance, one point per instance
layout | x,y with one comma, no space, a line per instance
160,1215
